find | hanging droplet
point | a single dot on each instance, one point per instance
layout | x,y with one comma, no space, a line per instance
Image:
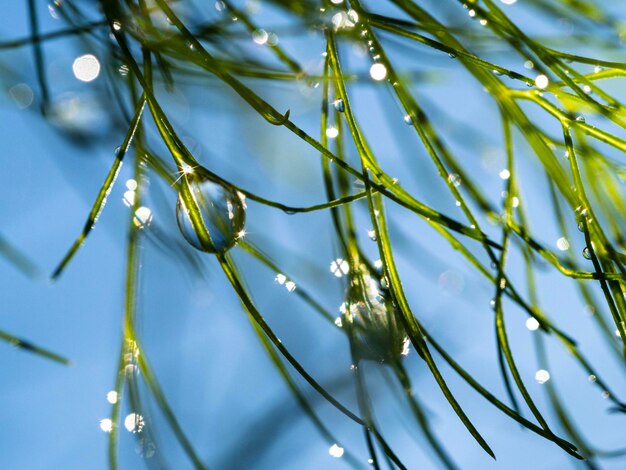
408,120
219,215
580,118
586,253
452,55
378,332
338,105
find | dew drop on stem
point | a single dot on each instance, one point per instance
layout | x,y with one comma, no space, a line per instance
221,214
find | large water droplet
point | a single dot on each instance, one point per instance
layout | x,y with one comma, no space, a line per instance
338,105
134,423
222,215
586,253
378,332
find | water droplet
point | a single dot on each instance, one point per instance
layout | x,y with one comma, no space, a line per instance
581,211
338,105
260,36
492,303
117,25
335,451
280,278
378,71
143,216
134,423
580,118
145,448
454,178
542,82
562,244
221,212
339,267
378,332
606,395
86,68
22,95
338,322
452,55
408,119
505,174
592,378
542,376
332,132
290,286
344,20
532,324
586,253
106,425
372,234
112,397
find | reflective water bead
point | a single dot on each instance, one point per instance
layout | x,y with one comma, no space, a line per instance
134,423
216,216
338,105
260,36
580,118
379,335
586,253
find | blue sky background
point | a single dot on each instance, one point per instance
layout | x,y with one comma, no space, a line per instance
225,392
